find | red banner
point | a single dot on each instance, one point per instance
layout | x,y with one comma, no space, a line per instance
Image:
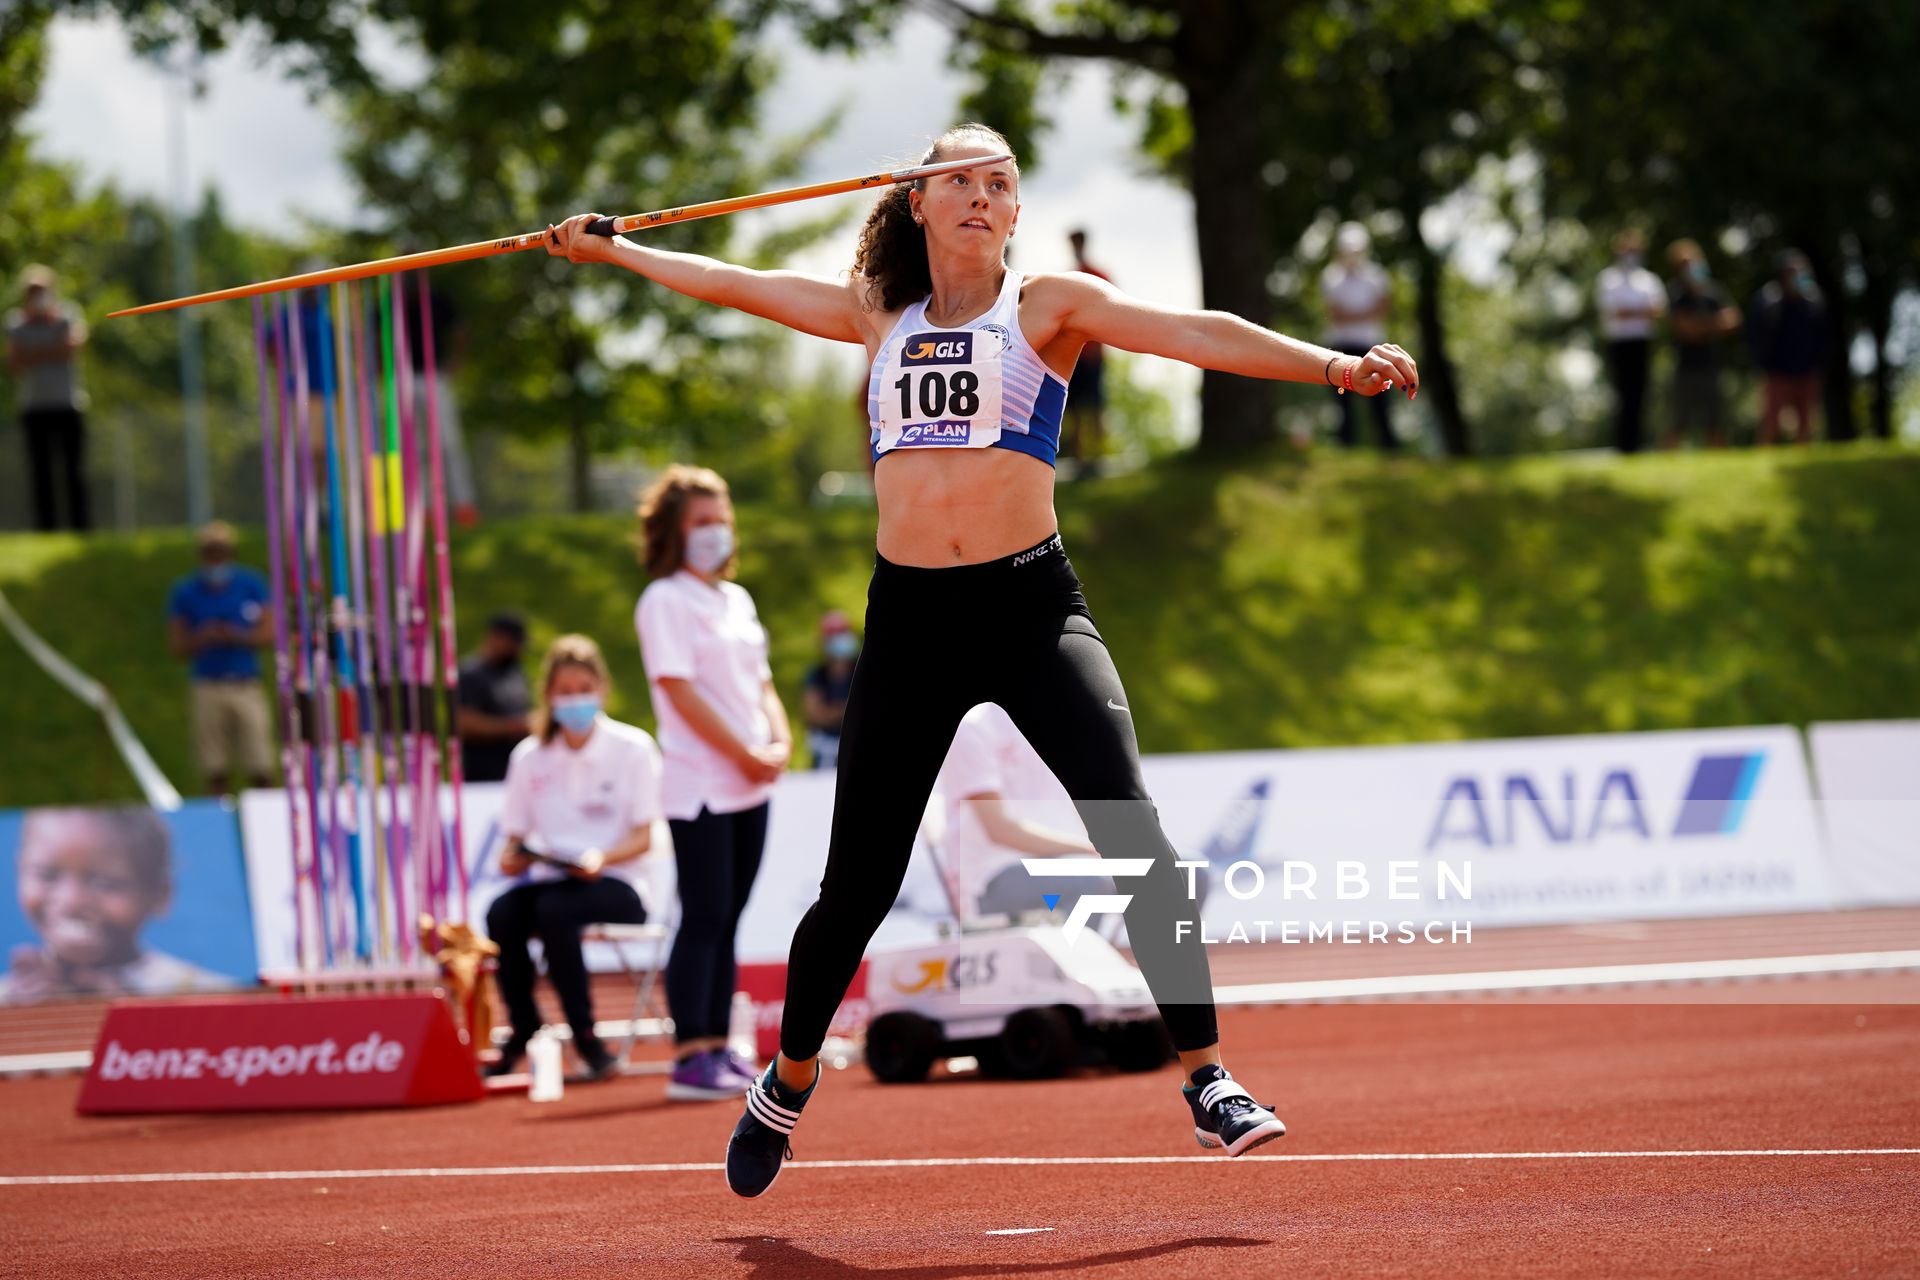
255,1054
766,986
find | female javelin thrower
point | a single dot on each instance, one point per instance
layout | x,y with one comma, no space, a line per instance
973,599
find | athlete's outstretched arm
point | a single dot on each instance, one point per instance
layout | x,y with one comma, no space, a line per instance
1092,309
811,304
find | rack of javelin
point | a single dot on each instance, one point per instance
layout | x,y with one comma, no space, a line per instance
363,627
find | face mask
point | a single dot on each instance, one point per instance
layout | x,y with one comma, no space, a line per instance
1629,260
842,645
577,713
1804,282
1697,271
709,546
217,575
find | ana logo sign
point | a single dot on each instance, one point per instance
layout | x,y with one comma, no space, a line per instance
936,433
1717,797
937,348
1522,805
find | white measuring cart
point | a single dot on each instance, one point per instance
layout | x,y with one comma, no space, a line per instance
1017,997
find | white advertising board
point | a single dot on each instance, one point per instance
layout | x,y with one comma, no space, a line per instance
1868,776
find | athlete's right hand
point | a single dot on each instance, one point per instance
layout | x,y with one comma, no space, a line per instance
570,240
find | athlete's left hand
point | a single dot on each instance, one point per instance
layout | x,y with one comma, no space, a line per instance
1383,368
592,862
570,240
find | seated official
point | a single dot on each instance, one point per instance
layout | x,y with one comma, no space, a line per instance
582,796
1002,804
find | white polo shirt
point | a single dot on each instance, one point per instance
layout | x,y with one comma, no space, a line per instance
990,756
1628,289
1354,291
709,634
570,800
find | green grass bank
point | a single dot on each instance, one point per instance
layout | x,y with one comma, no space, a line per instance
1352,600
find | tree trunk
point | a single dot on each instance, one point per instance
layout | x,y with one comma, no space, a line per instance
1878,300
1235,254
580,463
1436,369
1838,386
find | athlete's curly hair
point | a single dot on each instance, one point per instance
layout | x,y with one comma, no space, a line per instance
892,257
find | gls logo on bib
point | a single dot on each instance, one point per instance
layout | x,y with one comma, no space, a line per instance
923,349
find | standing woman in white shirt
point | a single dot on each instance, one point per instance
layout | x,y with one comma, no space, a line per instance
726,741
1631,299
583,793
1359,298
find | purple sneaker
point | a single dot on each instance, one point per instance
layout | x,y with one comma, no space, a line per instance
744,1068
704,1077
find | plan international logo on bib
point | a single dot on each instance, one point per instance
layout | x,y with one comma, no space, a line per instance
923,349
932,433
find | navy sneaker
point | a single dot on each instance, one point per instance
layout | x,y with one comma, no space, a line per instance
759,1145
1225,1116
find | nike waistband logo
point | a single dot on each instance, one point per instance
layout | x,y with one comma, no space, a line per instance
1116,706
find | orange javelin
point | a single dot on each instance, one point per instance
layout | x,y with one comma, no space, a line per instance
600,226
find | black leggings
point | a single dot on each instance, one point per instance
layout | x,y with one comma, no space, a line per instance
716,856
554,911
1016,632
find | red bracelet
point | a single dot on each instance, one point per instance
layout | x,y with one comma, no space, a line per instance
1346,377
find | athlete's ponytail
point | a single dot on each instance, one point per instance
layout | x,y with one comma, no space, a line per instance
892,257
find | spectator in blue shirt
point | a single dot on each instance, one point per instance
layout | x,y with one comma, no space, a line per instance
218,620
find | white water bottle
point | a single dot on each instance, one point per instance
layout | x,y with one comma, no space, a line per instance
743,1027
543,1057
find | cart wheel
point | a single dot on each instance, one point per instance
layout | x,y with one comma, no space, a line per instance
1037,1044
1143,1045
901,1047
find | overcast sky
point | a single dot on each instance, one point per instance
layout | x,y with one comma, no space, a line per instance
273,155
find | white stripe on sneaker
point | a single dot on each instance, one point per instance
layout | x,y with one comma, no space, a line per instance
767,1113
1225,1087
776,1108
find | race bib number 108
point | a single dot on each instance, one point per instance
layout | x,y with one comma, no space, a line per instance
945,390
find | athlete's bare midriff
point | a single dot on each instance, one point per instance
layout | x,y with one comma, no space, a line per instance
946,507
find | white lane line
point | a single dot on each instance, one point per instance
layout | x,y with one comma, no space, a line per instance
940,1162
1611,975
1019,1231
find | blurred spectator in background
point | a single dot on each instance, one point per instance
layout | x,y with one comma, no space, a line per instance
1631,298
496,703
1358,297
583,793
90,880
828,683
1787,329
42,340
218,620
1003,804
1703,316
1084,429
726,742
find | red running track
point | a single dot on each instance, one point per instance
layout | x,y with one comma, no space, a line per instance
1426,1079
